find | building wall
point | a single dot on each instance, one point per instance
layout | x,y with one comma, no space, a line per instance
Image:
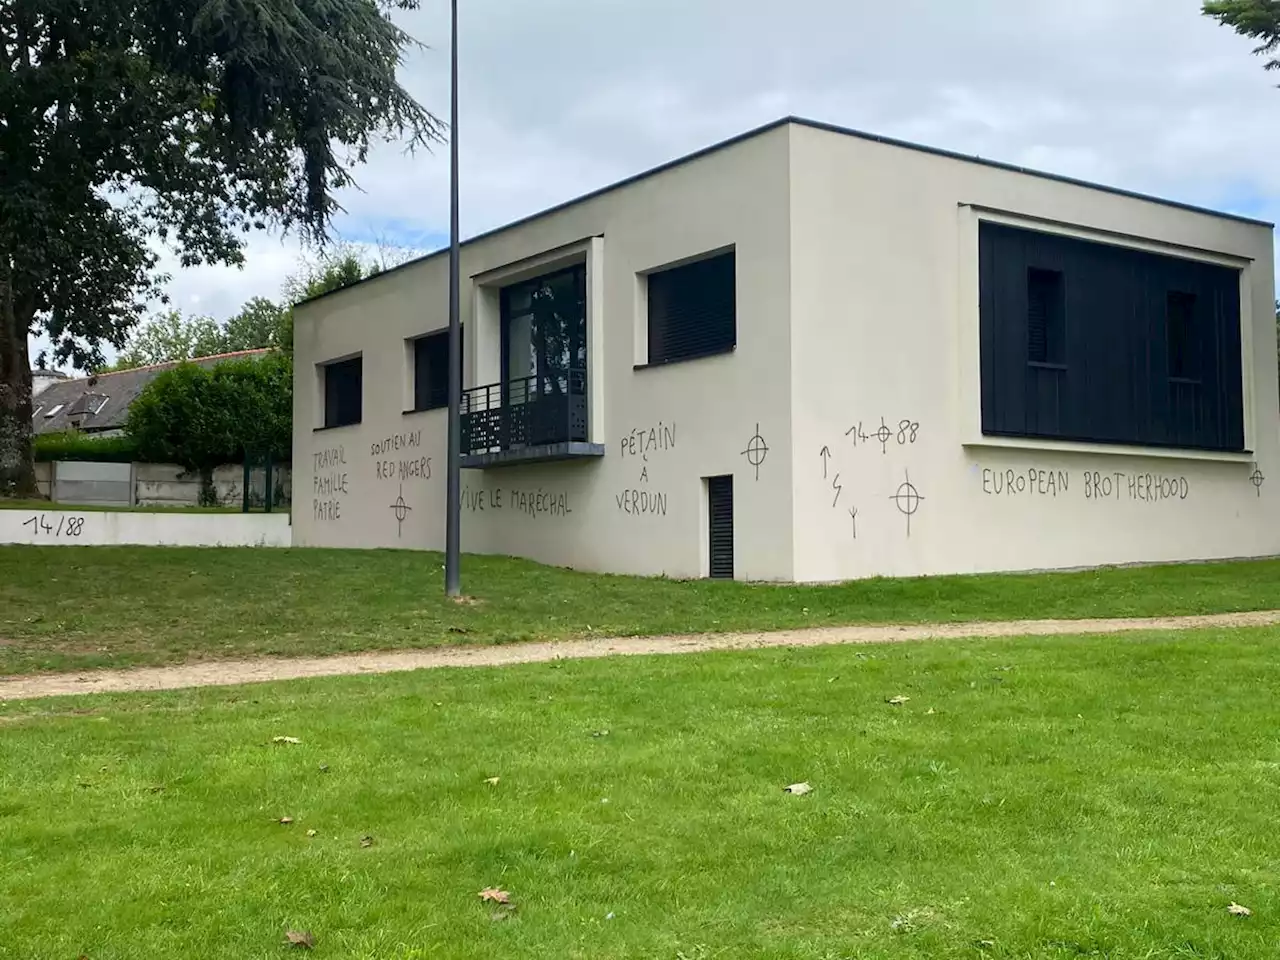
885,314
641,507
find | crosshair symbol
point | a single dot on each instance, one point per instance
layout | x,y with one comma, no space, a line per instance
401,511
908,499
1257,479
884,435
756,451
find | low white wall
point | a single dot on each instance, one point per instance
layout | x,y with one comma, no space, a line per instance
107,528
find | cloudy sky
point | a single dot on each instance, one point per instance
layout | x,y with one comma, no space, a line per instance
562,96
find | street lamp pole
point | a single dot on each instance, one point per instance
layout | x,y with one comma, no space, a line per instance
453,519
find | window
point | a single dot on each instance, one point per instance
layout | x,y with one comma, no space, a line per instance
1180,311
343,387
431,371
1094,342
1046,317
693,310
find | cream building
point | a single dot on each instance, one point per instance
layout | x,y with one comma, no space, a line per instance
812,354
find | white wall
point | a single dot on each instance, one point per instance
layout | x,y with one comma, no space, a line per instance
884,301
117,528
702,414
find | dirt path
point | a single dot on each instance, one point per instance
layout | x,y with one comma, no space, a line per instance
233,672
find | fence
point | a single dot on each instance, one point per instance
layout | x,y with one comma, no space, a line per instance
249,486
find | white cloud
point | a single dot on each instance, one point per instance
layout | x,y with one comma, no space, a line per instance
563,96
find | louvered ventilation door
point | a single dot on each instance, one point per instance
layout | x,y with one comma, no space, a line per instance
720,514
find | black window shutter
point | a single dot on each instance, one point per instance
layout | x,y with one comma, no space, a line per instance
720,517
693,310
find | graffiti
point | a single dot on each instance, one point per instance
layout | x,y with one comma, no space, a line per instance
906,434
478,501
644,475
756,452
1011,483
400,510
329,484
853,515
835,485
641,502
418,468
540,503
1257,479
1143,487
67,526
825,454
907,499
402,441
641,442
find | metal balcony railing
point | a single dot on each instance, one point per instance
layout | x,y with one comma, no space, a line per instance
529,412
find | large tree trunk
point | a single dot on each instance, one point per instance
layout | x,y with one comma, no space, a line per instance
17,471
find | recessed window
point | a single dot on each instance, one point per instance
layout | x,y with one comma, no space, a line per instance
343,390
1154,343
693,310
1046,317
1180,311
431,371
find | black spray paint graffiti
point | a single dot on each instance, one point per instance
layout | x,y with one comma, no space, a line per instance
906,434
757,450
329,484
640,502
641,442
835,485
419,468
401,441
908,499
1257,479
1144,487
1012,483
400,510
533,503
853,515
825,454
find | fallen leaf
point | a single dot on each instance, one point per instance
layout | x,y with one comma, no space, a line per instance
493,781
609,915
494,895
324,768
366,841
285,740
300,938
313,833
930,712
798,789
286,820
1238,911
897,701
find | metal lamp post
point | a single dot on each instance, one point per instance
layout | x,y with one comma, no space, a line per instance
453,520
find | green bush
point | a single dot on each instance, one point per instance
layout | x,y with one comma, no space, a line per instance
73,445
200,418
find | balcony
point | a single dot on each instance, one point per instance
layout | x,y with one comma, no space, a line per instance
530,420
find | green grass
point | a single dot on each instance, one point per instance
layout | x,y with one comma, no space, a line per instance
1065,798
44,506
64,608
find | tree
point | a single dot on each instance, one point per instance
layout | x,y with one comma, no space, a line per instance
187,122
260,323
169,337
1255,19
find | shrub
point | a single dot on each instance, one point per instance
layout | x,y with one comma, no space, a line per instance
73,445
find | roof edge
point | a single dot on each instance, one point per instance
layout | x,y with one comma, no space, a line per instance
793,120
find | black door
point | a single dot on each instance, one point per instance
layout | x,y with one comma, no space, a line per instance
720,516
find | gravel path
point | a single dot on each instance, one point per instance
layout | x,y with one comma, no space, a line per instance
232,672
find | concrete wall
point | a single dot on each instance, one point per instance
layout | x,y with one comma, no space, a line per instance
885,314
664,428
105,528
167,485
44,480
95,484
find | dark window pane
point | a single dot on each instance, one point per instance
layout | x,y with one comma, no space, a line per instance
431,371
693,310
1153,343
343,389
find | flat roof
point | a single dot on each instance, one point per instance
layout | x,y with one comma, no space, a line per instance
814,125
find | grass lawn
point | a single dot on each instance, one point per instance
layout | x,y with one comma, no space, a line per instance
80,607
1096,797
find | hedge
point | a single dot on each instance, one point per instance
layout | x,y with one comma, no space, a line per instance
72,445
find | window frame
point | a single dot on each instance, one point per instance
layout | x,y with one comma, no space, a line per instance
417,343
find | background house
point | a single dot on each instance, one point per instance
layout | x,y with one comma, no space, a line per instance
99,404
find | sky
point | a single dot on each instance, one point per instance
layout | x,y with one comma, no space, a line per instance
559,97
